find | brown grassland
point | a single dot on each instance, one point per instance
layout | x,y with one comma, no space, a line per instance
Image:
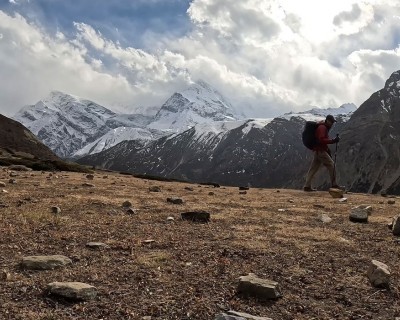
191,270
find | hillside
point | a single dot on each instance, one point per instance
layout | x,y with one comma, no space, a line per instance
15,138
369,157
156,268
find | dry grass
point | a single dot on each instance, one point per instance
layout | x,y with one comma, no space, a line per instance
191,270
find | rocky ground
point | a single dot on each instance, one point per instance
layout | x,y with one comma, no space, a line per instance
158,268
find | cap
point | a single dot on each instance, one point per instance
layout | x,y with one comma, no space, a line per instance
330,118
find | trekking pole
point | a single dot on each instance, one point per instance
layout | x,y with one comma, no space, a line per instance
334,163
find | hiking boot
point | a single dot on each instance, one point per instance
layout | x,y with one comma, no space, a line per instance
309,189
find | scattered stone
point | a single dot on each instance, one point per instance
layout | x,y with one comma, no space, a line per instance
4,191
88,185
211,193
281,210
5,276
149,241
391,202
3,205
189,189
278,191
246,315
381,202
320,206
105,177
196,216
127,204
379,274
244,188
291,201
343,200
2,185
170,219
44,262
55,210
146,318
251,285
13,174
360,214
12,181
390,225
155,189
336,193
17,167
175,200
324,218
396,226
72,290
224,316
97,245
242,192
90,176
131,211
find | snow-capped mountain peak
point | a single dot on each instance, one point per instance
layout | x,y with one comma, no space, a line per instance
199,103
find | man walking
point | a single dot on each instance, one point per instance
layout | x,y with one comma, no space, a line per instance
322,154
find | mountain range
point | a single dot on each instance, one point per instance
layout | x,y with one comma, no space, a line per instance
196,135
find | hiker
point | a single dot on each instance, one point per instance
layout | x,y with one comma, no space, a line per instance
322,154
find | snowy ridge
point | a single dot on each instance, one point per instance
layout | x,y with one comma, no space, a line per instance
318,114
117,135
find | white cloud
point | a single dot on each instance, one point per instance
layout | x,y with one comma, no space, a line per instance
266,56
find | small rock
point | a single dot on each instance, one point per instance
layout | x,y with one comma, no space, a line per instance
130,211
196,216
170,219
5,276
381,202
251,285
291,201
12,181
105,177
336,193
396,226
149,241
90,176
281,210
390,225
13,174
324,218
97,245
175,200
244,188
379,274
211,193
2,185
4,191
391,201
245,315
189,189
155,189
242,192
55,210
343,200
360,214
44,262
127,204
320,206
72,290
88,185
224,316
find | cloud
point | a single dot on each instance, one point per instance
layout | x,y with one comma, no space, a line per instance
266,56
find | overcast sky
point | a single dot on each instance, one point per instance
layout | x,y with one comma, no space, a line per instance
265,56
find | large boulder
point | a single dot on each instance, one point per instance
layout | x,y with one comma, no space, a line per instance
251,285
44,262
72,290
